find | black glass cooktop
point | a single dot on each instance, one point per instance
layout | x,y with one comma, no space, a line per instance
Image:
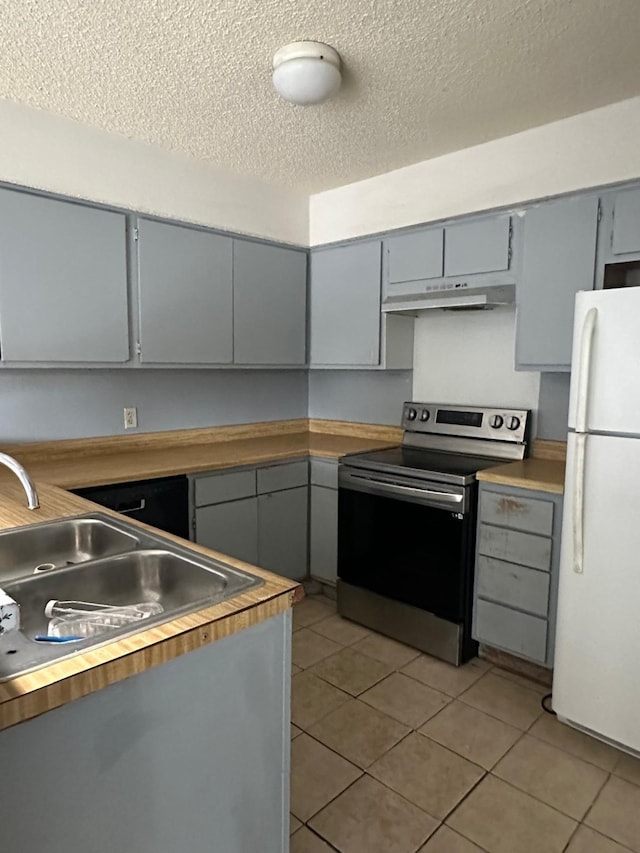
434,464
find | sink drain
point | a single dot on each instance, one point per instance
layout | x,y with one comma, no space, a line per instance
44,567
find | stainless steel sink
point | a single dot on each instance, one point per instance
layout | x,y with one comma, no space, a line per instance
149,569
42,547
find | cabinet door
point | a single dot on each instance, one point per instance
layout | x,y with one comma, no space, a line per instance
626,222
477,247
413,257
558,260
63,281
345,305
231,528
282,532
186,299
323,546
270,304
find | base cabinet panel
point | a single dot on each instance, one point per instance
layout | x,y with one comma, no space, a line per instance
282,532
323,548
516,573
192,755
518,633
231,528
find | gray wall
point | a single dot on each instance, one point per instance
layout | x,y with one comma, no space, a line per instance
51,404
553,406
359,395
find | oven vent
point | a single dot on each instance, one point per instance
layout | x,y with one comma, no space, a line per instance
477,298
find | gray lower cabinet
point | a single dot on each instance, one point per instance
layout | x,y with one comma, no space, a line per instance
186,295
323,545
231,528
558,260
282,532
516,571
258,514
323,520
193,755
270,304
63,282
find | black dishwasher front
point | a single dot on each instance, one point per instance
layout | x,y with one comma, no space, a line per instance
162,503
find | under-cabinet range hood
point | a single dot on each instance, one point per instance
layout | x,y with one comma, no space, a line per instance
452,297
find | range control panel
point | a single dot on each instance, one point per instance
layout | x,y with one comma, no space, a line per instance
477,422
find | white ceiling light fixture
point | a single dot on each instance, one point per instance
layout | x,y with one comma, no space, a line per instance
306,72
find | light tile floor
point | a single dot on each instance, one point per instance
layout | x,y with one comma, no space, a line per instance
395,752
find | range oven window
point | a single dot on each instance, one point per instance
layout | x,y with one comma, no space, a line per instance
416,554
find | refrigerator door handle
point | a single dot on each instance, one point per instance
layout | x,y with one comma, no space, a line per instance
578,503
584,368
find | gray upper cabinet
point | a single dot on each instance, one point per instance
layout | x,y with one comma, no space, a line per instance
625,238
63,281
413,257
480,246
186,295
558,260
345,305
270,304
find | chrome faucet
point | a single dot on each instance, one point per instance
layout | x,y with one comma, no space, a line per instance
27,483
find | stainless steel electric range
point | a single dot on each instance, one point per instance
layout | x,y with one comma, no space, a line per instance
407,524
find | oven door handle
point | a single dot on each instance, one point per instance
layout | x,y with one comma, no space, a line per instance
397,489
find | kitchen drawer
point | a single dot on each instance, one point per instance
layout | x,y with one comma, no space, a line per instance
510,630
324,473
526,549
275,478
219,488
516,586
519,513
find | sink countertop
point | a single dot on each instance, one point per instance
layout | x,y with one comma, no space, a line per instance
69,464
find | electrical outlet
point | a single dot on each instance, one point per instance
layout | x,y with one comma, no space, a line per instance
130,417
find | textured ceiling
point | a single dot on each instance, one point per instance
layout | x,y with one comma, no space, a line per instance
422,77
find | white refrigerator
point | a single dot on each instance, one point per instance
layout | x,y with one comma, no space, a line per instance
596,683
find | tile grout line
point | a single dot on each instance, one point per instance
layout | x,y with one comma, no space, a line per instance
398,668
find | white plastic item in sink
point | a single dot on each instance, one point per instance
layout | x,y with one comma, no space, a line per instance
71,609
86,619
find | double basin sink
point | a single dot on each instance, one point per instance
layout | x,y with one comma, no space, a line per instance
97,558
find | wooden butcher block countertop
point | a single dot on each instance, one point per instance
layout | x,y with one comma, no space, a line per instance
543,472
74,464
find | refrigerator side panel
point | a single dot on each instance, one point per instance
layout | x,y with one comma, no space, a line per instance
613,400
596,684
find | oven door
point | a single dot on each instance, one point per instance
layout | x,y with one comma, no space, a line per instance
408,540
